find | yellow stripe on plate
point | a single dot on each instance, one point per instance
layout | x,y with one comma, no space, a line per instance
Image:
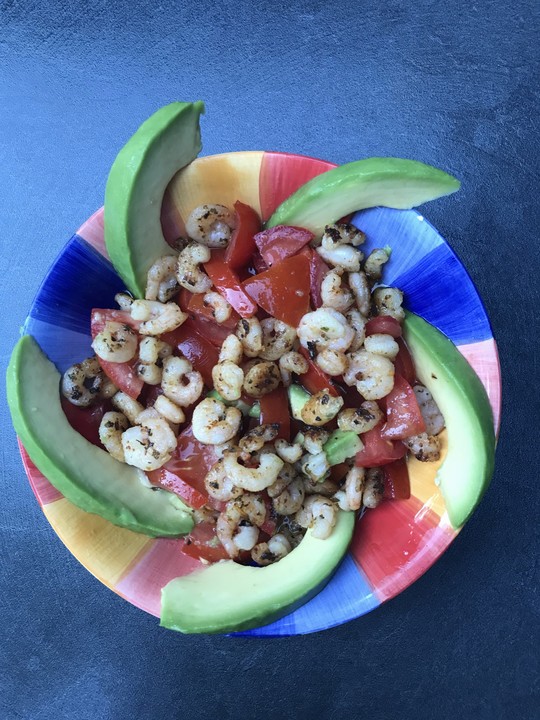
104,549
422,479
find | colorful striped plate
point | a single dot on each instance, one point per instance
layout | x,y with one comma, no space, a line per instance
393,545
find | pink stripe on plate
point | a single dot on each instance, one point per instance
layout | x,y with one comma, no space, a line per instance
161,564
92,231
484,358
43,490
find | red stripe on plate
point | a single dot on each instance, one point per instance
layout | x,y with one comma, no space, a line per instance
43,490
484,358
93,232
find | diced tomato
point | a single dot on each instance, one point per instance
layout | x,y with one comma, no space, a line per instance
258,263
280,242
378,450
315,379
200,352
283,290
228,284
242,243
385,325
269,524
275,409
183,299
203,542
85,420
396,480
403,416
190,462
317,270
150,394
174,483
404,363
198,308
123,375
338,472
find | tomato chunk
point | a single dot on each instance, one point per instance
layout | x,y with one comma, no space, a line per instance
282,241
385,325
164,478
315,379
190,462
123,375
317,270
198,308
283,290
201,353
242,243
275,409
404,363
228,284
85,420
203,543
403,416
378,450
397,485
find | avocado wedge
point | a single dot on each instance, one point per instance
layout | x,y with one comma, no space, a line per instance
373,182
168,141
468,466
227,597
86,475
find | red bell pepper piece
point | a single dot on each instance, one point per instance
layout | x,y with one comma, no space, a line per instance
280,242
228,284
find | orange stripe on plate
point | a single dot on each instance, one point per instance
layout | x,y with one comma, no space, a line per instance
92,231
422,479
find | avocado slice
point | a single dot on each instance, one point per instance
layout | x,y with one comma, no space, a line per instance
86,475
168,141
390,182
228,597
298,397
467,469
341,445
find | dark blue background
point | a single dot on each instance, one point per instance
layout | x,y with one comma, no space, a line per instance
454,84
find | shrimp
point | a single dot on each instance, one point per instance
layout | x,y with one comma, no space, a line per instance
249,332
430,410
221,310
218,485
350,497
124,301
319,513
314,440
275,549
156,317
292,362
359,285
321,408
388,301
161,281
335,250
325,329
238,525
228,379
231,350
82,382
150,445
374,263
180,382
151,354
290,500
358,323
213,423
128,406
373,488
278,338
169,410
328,488
211,225
373,375
286,475
424,447
252,479
332,362
381,344
345,234
188,273
288,452
333,294
256,439
315,466
116,343
261,379
360,420
111,427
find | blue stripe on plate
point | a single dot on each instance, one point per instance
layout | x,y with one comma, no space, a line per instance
80,279
347,595
63,347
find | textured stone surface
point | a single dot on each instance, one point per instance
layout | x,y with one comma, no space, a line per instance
449,83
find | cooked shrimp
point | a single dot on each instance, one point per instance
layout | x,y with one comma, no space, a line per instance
249,332
211,225
381,344
238,525
332,362
169,410
361,419
323,329
336,248
228,379
328,488
180,382
252,479
290,499
388,301
373,488
161,282
256,439
221,310
359,285
151,354
333,294
292,362
314,440
345,234
261,379
288,452
108,388
269,552
319,513
124,301
321,408
430,410
424,447
150,445
374,263
213,423
111,427
358,323
150,374
231,350
350,497
128,406
278,338
82,382
372,375
188,273
285,477
218,485
116,343
156,317
315,466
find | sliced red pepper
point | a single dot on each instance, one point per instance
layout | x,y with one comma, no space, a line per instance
196,348
397,485
242,243
228,284
174,483
282,241
403,416
404,363
275,409
378,450
385,325
315,379
123,375
283,290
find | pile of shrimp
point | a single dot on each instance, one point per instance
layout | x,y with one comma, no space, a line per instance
257,476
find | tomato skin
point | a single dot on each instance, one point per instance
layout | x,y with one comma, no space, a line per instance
397,485
201,353
378,450
403,416
280,242
275,409
317,270
197,309
168,480
283,290
228,284
85,420
385,325
202,542
269,524
123,375
404,363
242,243
315,379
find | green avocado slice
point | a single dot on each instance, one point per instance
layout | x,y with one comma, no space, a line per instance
168,141
86,475
387,182
228,597
468,466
